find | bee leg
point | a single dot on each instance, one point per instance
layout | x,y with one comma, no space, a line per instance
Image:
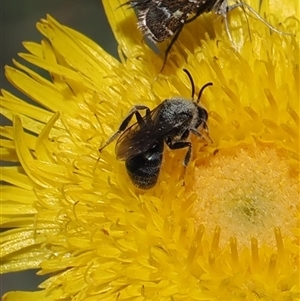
181,144
178,145
134,111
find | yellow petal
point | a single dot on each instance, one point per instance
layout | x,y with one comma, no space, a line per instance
123,22
12,176
26,296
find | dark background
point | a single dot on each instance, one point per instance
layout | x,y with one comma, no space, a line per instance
17,24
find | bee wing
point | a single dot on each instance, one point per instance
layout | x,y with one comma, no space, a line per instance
137,139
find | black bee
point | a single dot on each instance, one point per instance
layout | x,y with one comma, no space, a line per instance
163,19
141,144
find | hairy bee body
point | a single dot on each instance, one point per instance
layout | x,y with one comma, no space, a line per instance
141,145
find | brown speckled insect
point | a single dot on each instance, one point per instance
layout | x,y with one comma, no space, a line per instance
160,20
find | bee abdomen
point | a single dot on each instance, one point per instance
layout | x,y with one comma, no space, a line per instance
144,168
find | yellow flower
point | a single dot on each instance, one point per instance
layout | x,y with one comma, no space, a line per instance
230,233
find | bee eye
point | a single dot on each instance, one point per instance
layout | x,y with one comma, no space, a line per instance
205,114
202,114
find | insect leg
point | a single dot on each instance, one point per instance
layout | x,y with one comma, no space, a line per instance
173,40
134,111
181,144
225,8
256,14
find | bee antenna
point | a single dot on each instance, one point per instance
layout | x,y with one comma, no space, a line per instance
191,80
202,89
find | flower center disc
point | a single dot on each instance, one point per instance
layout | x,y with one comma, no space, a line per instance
247,191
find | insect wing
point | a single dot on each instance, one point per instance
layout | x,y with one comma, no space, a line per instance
160,20
138,138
